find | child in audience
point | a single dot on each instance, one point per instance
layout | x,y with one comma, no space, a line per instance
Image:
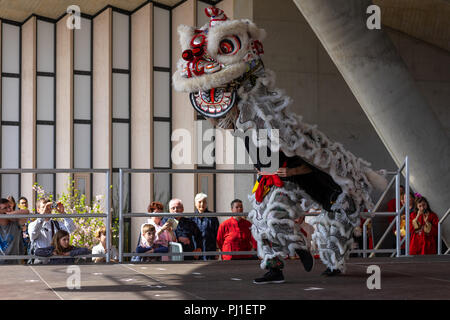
148,245
61,247
101,247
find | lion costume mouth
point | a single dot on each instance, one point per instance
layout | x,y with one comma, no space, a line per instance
213,103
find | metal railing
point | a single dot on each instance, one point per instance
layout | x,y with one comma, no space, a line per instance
106,215
123,215
440,234
398,243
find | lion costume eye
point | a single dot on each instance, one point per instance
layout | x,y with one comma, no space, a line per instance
229,45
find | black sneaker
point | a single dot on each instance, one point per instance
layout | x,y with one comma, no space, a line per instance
273,276
331,273
306,258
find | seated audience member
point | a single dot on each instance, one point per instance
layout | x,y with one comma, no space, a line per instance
234,234
208,226
164,231
423,228
10,232
148,245
41,230
187,232
101,247
61,247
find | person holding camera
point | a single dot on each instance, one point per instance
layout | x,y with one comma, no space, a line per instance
423,228
10,232
41,230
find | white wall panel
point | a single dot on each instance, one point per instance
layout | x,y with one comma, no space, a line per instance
161,36
161,94
161,142
45,98
82,97
10,146
10,99
10,48
120,40
45,46
202,18
121,103
82,46
45,146
121,148
82,145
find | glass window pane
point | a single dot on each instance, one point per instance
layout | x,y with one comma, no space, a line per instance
162,94
82,145
120,40
115,192
10,147
82,46
161,144
46,182
205,138
45,146
10,48
161,188
82,97
10,186
161,36
45,46
45,98
121,148
121,104
10,99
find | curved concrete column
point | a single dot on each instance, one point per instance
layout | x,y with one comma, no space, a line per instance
381,83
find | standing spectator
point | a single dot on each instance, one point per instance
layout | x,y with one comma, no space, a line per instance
23,205
12,202
148,245
187,231
234,234
101,247
208,226
391,203
41,230
423,228
10,232
61,247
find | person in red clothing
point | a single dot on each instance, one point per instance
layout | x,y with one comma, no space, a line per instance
234,234
423,228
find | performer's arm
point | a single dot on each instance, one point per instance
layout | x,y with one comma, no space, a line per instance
287,172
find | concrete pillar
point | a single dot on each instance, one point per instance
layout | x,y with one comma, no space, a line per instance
64,102
28,92
381,83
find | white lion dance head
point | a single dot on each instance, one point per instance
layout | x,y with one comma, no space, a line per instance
216,59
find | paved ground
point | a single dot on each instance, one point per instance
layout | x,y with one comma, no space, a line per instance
402,278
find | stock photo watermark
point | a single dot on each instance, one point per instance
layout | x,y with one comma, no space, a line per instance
74,19
73,282
374,280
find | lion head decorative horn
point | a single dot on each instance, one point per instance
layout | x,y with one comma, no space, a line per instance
216,59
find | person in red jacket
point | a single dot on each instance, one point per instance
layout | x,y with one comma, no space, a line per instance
234,234
423,228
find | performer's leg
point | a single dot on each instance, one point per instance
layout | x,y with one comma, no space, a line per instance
333,235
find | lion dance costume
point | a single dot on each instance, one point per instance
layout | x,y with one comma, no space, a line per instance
221,68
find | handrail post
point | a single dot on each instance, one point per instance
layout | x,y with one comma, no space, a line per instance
407,235
365,239
120,217
108,218
397,210
439,246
